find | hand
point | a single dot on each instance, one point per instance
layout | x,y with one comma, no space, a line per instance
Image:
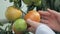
33,25
51,18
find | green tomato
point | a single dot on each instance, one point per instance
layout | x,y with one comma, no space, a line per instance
20,25
27,2
37,3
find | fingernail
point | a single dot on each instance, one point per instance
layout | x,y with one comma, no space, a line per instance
28,20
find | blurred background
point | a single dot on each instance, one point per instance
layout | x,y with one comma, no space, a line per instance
3,6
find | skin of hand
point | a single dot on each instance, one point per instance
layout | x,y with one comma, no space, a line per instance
33,25
51,18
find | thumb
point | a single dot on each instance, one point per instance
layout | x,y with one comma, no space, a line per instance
33,23
31,29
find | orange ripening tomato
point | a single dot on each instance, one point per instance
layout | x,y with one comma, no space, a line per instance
33,15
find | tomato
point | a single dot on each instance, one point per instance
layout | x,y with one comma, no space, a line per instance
12,13
19,26
33,15
28,2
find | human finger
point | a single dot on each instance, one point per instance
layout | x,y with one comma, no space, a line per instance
44,13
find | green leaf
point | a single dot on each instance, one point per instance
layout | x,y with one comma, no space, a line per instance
31,7
9,31
39,7
17,4
1,24
26,32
